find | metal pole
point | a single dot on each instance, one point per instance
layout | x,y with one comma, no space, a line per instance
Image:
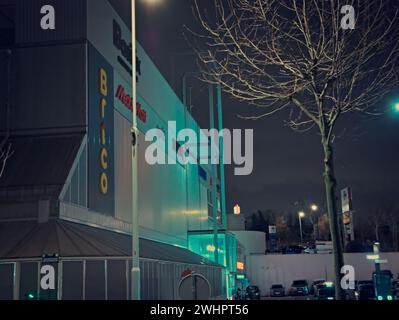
221,152
214,177
300,227
222,183
135,272
17,280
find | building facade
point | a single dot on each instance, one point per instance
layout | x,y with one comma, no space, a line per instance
65,196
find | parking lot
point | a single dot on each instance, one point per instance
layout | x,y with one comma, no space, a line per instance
289,298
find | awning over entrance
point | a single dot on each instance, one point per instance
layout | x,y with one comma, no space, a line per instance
33,240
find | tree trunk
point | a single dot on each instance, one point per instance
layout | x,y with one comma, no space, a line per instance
330,186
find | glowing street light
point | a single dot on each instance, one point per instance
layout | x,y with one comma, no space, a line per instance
301,215
394,105
152,2
314,207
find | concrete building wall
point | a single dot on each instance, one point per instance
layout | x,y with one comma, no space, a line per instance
172,198
265,270
253,241
57,93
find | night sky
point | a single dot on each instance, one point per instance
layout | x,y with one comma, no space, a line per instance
287,164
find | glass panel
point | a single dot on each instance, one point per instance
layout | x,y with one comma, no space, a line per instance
116,276
72,280
6,281
203,244
28,281
95,280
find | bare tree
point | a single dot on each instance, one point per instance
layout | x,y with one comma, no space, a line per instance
384,215
295,55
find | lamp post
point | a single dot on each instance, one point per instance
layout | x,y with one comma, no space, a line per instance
314,208
135,271
301,215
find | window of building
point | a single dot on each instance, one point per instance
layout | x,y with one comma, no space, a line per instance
72,280
6,281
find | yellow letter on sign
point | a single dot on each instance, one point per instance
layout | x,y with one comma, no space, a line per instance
103,83
103,183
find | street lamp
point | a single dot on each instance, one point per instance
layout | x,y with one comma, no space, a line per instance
151,2
314,207
301,215
135,271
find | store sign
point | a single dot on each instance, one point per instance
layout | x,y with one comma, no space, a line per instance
240,265
111,37
107,32
346,200
127,101
237,210
101,134
125,49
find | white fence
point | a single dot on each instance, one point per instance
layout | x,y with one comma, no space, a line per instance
101,279
265,270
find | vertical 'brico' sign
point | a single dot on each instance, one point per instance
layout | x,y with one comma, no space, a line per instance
101,184
103,131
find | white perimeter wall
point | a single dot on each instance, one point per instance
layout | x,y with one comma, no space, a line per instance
253,241
265,270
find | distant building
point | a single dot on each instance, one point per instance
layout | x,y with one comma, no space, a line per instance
236,222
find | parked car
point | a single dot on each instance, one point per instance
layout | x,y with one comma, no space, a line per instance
366,292
310,250
312,289
325,291
277,290
324,247
299,288
253,293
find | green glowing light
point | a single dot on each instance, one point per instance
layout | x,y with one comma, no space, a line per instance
395,106
389,298
380,298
